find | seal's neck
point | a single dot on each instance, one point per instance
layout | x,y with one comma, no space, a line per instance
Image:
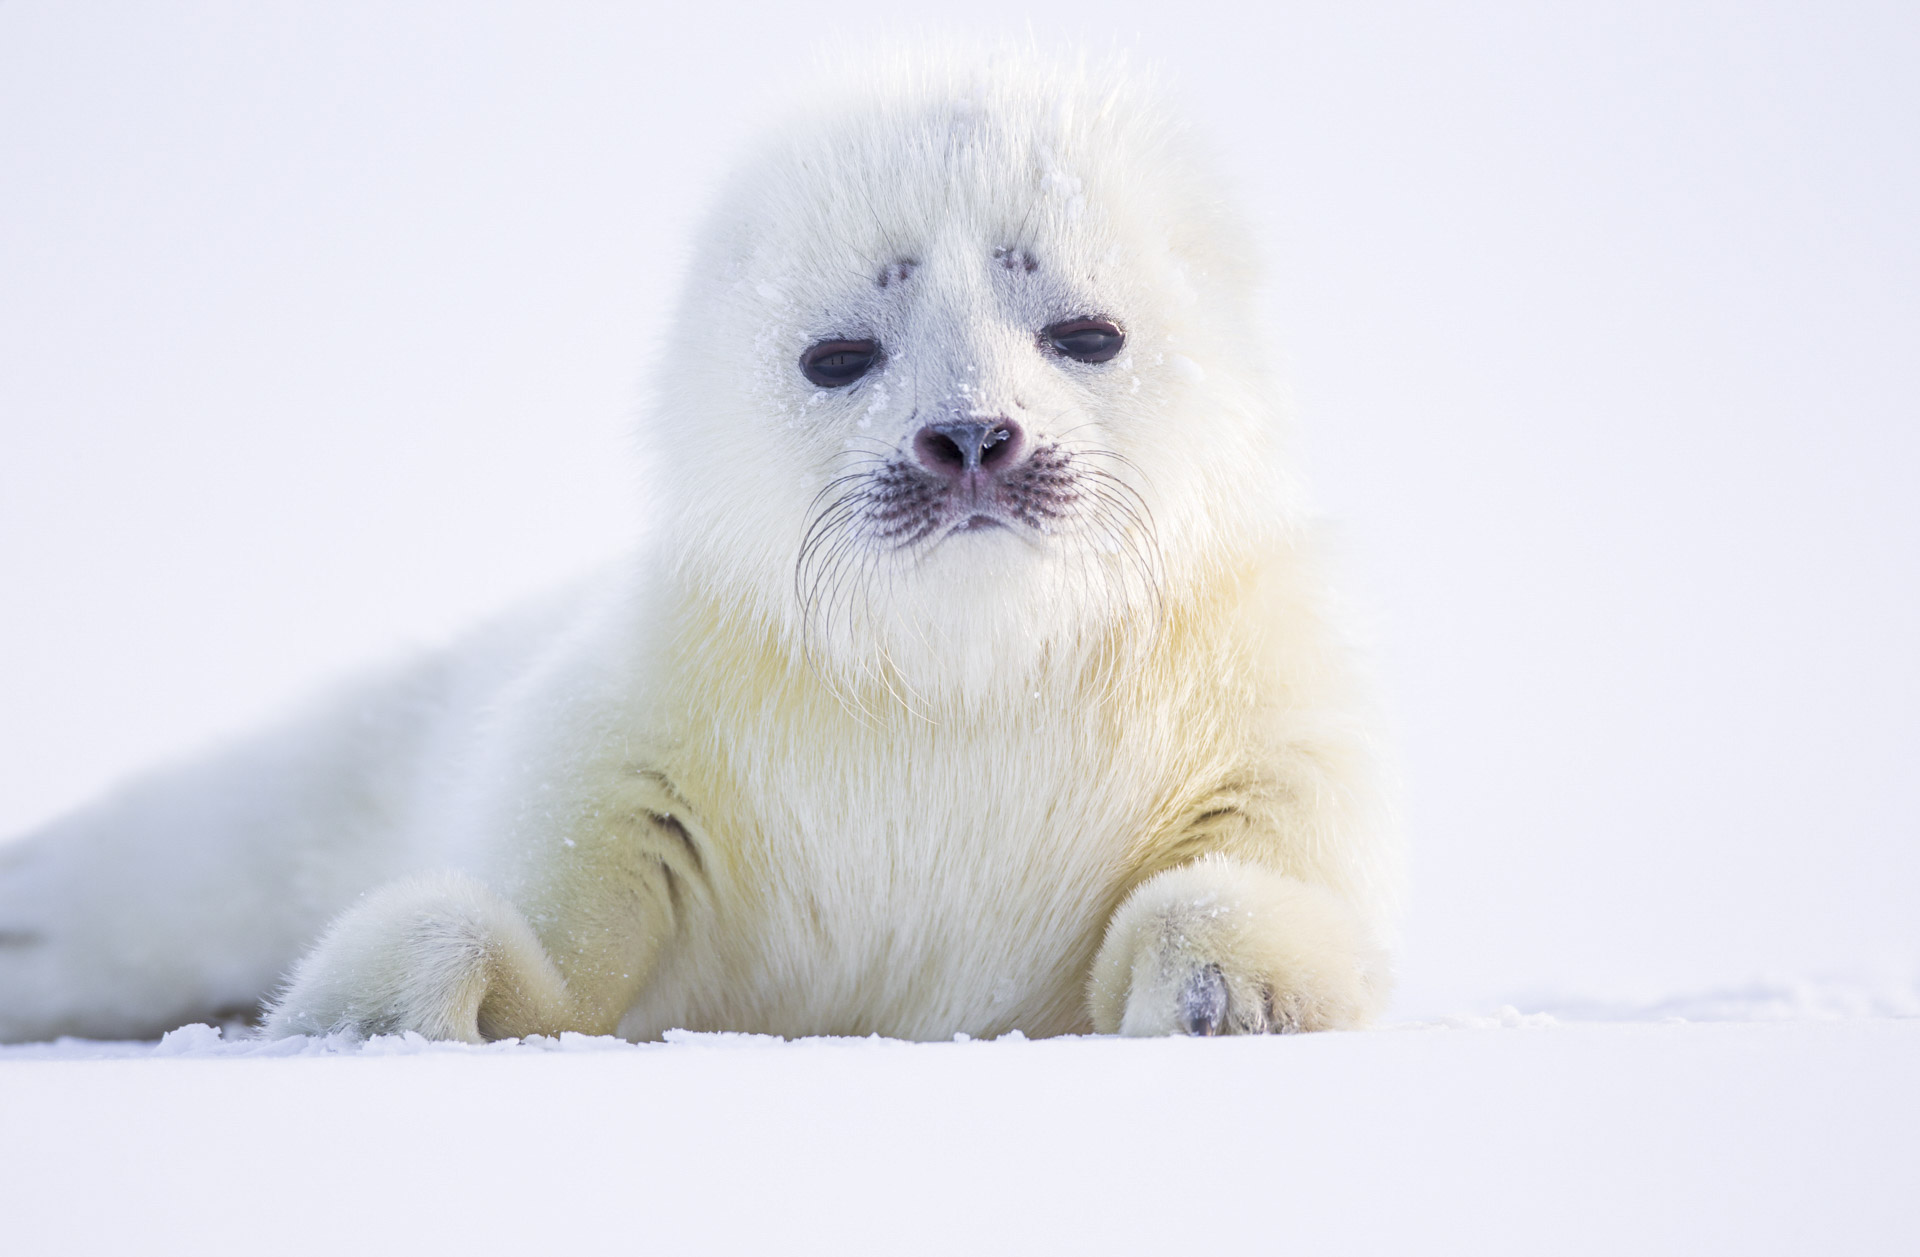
731,654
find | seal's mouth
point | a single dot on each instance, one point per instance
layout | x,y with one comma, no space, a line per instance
895,510
906,507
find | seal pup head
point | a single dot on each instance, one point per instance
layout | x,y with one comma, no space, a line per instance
966,381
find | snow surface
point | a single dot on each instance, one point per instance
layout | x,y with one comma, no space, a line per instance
1505,1134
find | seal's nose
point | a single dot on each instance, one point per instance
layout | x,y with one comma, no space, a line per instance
954,449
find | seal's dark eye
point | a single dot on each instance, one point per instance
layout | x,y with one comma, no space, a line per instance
1088,340
835,363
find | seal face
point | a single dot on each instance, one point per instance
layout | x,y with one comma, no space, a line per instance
948,351
968,471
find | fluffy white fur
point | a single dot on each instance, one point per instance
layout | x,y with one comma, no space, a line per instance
1110,774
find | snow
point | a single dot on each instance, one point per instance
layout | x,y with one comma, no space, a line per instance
1509,1133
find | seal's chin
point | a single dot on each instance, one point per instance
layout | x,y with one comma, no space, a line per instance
958,535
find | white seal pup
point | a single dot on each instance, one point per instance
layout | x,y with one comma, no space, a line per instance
976,677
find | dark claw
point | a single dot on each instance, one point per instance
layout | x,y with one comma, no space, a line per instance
1203,1004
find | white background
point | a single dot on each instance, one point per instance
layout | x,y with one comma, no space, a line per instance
322,328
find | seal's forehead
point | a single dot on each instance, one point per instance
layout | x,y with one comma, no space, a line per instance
1016,164
1087,176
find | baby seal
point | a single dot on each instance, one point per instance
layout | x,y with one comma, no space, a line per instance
976,675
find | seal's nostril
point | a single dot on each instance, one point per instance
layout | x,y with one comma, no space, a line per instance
937,449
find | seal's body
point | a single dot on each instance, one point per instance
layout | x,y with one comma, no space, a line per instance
975,676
